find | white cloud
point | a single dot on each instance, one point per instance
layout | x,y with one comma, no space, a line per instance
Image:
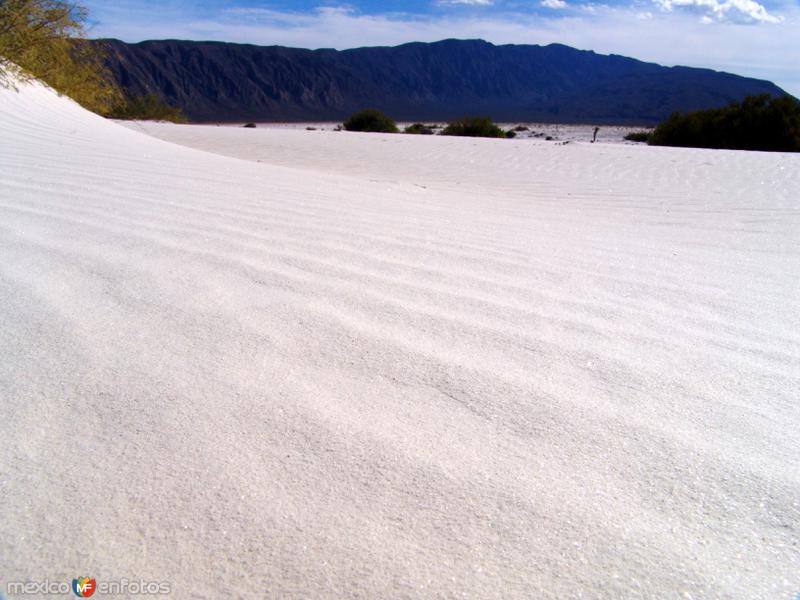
747,11
465,2
555,4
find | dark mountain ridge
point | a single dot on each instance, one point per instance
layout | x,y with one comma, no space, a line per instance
220,81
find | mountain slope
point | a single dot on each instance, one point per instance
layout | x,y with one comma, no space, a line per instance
223,81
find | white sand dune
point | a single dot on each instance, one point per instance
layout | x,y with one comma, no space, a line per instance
395,367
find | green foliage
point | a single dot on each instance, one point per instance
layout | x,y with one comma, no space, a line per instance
419,129
474,127
147,108
370,120
757,123
45,39
638,136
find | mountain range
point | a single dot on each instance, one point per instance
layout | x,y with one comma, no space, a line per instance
220,81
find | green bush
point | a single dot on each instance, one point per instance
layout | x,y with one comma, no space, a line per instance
419,129
370,120
638,136
474,127
146,108
757,123
46,39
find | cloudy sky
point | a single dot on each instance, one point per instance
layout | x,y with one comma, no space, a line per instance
758,38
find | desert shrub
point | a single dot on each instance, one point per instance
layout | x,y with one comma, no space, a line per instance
419,129
147,108
511,134
45,39
521,128
474,127
370,120
638,136
249,125
756,123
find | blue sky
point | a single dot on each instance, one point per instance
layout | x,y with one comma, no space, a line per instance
759,38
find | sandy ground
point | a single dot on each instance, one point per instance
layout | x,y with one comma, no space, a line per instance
458,164
365,366
610,134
